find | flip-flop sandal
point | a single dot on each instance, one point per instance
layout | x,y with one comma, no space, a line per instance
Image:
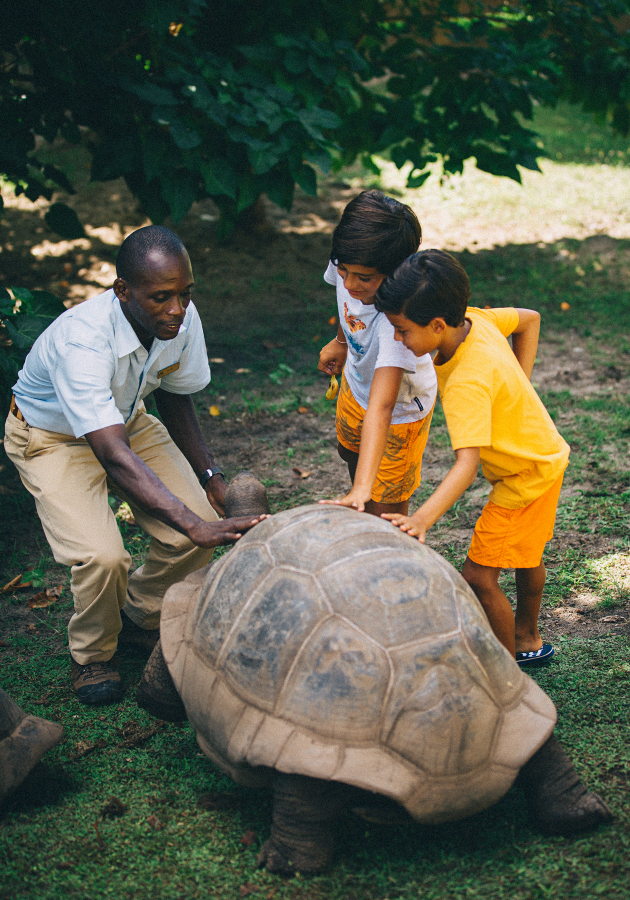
536,657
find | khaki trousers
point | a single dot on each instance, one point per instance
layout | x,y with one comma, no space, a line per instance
70,490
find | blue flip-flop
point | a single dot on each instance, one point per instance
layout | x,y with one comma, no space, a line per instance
536,657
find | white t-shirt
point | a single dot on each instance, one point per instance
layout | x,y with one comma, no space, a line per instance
88,370
371,346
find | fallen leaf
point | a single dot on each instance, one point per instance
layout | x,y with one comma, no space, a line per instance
114,807
85,747
302,409
214,410
332,320
154,822
16,584
45,598
249,839
4,644
246,889
272,345
564,305
67,267
140,736
302,473
63,284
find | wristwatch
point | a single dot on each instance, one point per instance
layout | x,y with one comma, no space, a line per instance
205,477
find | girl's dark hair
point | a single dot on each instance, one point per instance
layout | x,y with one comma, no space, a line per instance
139,244
426,286
376,232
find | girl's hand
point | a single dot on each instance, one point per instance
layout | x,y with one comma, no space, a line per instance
354,500
332,358
408,524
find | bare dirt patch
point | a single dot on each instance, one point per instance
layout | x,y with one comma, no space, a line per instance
293,452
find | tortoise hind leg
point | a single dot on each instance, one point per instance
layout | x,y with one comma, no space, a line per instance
557,801
304,811
156,692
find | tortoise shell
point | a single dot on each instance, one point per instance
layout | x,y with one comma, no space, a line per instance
328,643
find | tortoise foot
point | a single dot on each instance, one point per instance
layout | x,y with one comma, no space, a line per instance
557,800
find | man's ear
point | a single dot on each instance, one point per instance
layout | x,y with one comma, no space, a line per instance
121,289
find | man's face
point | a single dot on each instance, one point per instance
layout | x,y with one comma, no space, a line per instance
155,305
420,339
361,282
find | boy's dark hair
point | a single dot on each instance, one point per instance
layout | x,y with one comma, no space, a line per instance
428,285
375,231
139,244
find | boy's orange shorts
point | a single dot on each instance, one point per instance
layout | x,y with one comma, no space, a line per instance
399,473
515,538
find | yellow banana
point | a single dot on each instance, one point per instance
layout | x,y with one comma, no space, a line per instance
333,388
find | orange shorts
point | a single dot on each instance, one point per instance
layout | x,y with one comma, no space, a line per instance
399,473
515,538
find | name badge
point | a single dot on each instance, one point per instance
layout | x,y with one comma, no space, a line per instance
168,370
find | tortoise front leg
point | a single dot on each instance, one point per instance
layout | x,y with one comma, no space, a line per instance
302,833
557,801
156,692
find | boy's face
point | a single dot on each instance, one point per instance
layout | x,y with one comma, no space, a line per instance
361,282
420,339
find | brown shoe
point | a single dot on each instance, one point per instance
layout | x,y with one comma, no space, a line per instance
132,636
97,682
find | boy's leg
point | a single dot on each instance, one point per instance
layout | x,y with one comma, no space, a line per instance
484,580
529,590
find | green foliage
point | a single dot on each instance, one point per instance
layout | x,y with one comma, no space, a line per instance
23,317
232,100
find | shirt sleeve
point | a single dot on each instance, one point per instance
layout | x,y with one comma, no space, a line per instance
468,413
505,318
330,275
390,351
193,373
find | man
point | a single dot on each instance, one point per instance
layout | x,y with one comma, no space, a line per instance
78,425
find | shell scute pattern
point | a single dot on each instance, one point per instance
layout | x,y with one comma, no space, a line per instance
231,585
329,644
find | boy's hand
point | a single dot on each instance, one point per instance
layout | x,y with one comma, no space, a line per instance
413,527
356,499
332,358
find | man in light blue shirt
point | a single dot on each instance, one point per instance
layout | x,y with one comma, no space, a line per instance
78,425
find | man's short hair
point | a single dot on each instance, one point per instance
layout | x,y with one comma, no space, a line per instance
428,285
140,244
376,232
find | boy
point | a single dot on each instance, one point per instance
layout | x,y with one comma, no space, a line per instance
493,415
387,396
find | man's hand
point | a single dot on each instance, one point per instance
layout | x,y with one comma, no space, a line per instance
215,489
214,534
332,358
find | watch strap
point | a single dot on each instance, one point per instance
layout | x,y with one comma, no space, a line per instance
205,477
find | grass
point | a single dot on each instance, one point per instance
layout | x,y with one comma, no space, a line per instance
540,246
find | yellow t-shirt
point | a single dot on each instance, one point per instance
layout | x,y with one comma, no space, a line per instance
490,403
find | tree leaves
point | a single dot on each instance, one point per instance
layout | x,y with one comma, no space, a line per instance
240,100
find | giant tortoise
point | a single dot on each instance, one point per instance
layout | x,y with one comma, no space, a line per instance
333,656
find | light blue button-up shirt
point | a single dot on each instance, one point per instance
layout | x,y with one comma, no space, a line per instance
88,370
